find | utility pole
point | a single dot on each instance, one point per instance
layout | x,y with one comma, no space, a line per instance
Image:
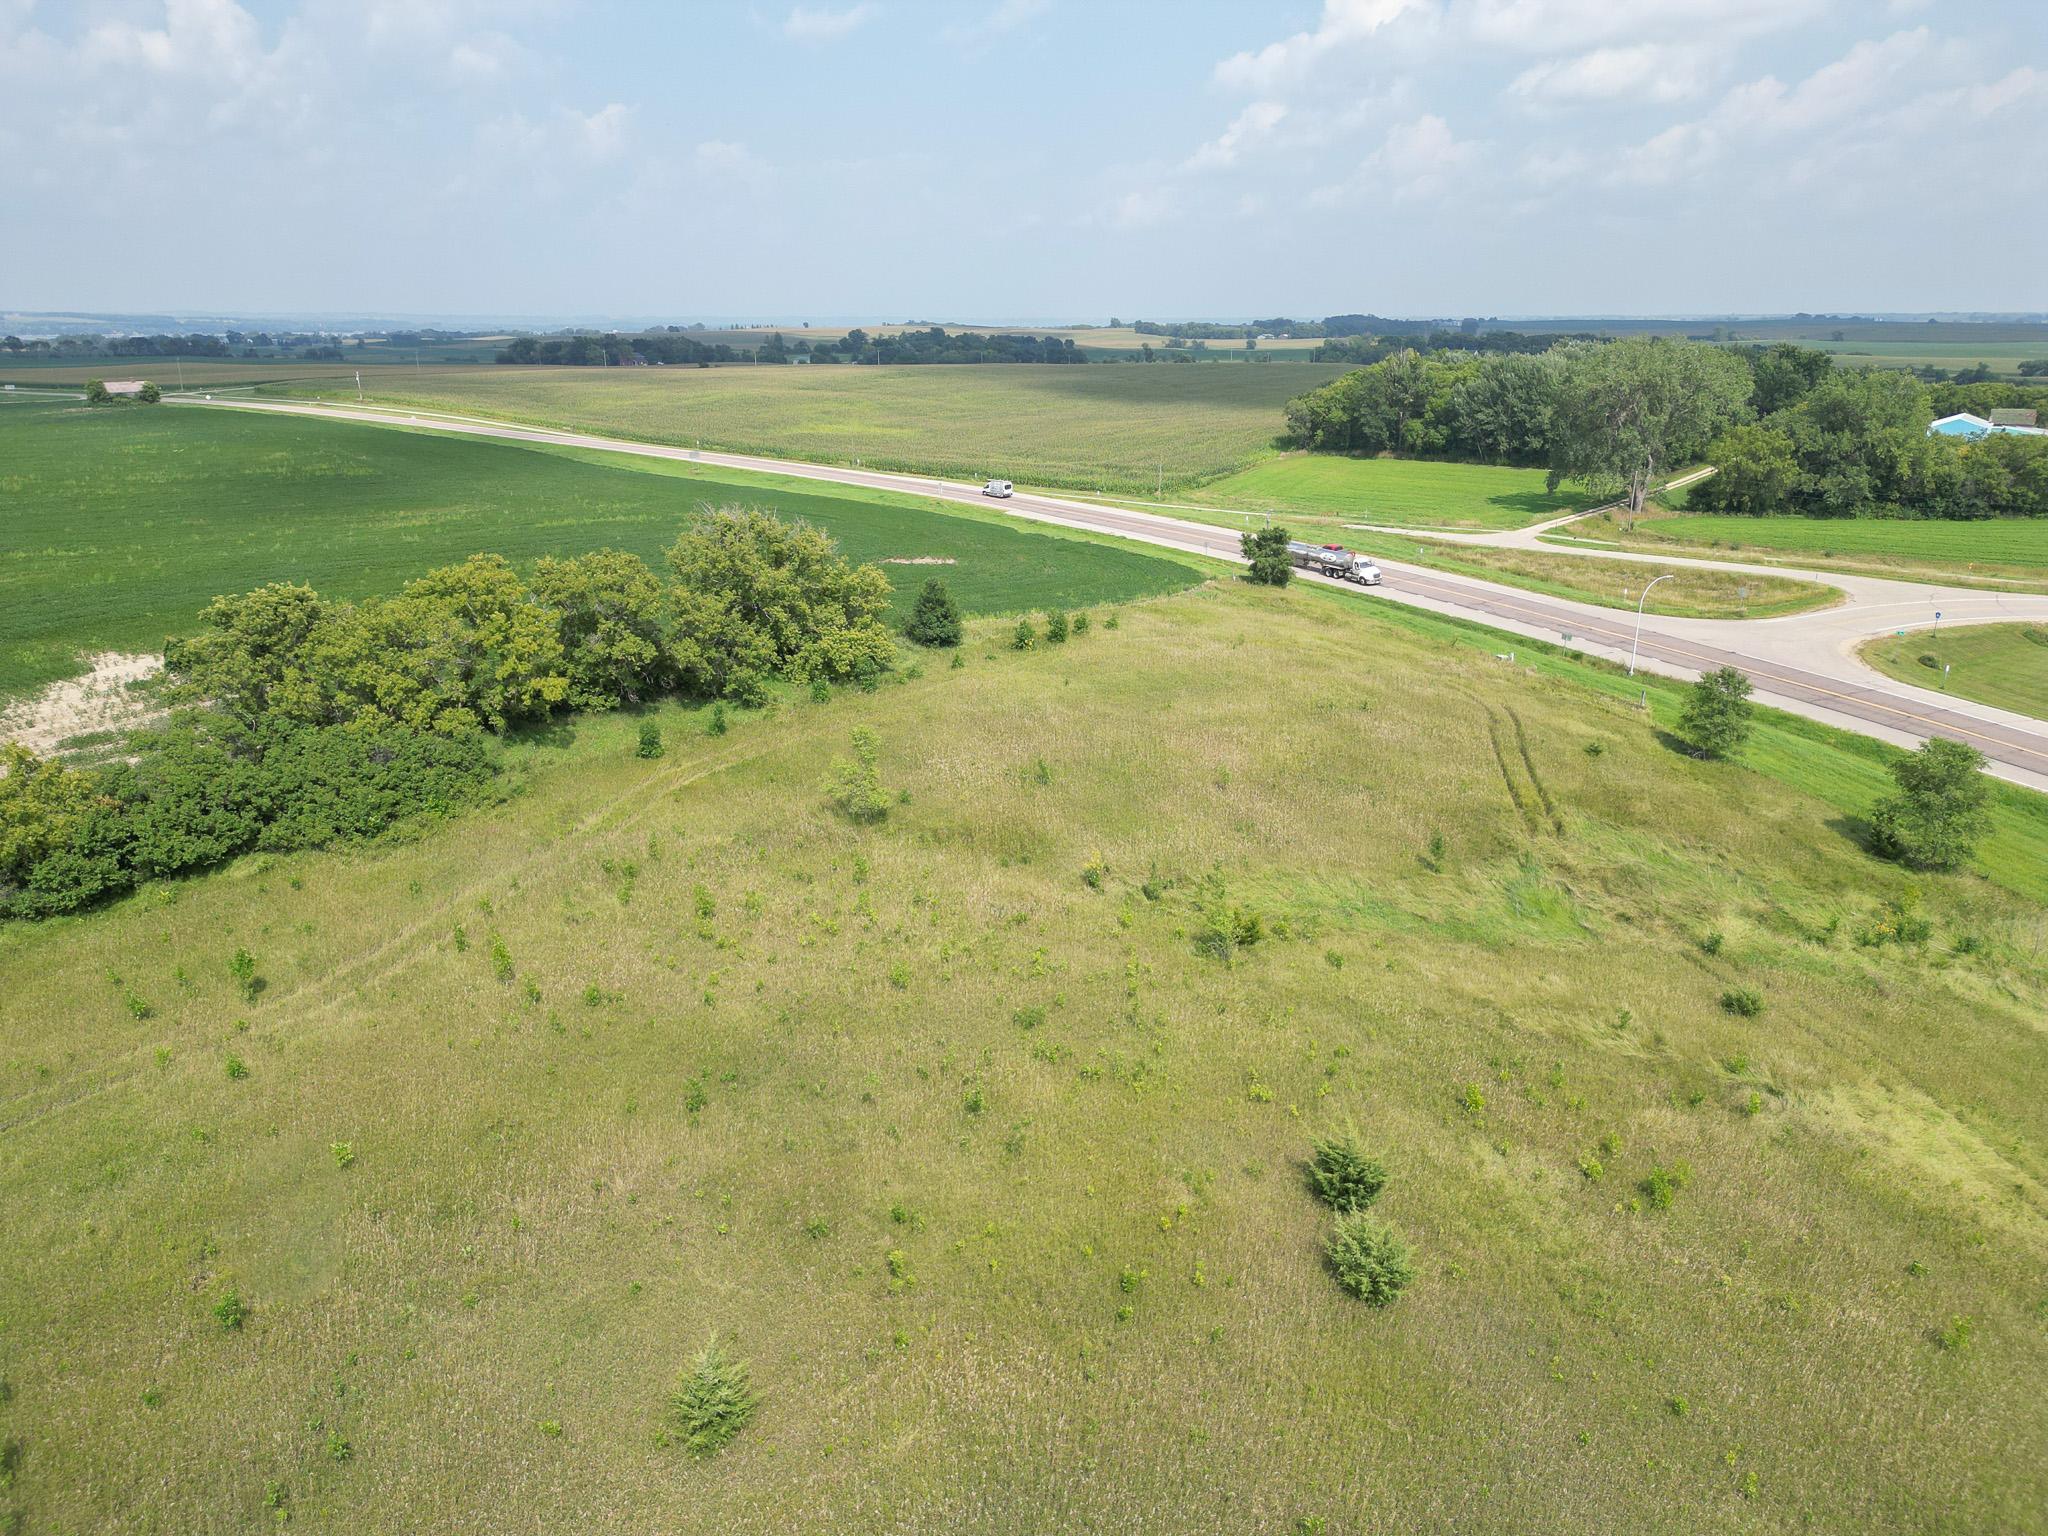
1639,621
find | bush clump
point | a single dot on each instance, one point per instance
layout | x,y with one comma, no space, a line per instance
713,1402
650,740
1370,1259
1342,1175
857,784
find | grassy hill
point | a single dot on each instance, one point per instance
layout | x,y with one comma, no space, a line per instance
952,1129
126,520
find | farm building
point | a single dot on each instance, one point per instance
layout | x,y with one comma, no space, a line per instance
125,386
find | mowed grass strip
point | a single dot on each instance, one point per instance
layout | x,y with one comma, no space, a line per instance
1403,492
125,521
1691,593
1120,427
2005,665
995,1180
1992,552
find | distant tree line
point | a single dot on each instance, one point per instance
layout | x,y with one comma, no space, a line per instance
587,350
1787,430
301,720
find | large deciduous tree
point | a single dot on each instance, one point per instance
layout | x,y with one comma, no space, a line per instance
1635,408
759,596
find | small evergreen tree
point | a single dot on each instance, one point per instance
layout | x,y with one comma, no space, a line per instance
1370,1260
1266,549
1056,628
1344,1176
1716,719
936,618
650,740
1025,636
713,1402
1935,819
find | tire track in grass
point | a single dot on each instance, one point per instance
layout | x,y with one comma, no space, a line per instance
1535,778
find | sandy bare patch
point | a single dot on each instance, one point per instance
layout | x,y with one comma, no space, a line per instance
101,700
917,560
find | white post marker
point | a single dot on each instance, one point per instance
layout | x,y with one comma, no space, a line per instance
1639,620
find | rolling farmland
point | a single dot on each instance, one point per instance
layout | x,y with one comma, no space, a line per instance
128,520
1116,427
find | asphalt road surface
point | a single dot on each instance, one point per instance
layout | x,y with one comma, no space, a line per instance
1803,663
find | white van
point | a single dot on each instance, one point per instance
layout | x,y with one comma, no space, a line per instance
1001,489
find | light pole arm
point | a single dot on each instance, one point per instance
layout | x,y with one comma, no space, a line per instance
1637,642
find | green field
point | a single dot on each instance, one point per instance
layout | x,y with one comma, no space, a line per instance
2005,665
2001,552
227,373
1107,427
2001,357
995,1179
127,520
1690,593
1403,492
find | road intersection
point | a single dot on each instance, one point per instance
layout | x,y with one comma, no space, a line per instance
1804,663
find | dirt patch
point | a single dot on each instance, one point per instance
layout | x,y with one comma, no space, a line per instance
917,560
102,700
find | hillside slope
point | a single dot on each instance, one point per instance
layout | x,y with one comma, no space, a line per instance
950,1127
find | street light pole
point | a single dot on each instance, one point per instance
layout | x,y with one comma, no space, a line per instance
1639,621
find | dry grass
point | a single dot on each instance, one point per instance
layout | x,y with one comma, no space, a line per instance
538,1226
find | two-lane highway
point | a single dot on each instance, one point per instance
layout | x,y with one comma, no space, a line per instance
1798,664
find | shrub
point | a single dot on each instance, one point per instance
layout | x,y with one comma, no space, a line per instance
344,1154
1024,636
1370,1260
242,966
1080,624
96,392
1661,1185
936,618
1938,814
1712,943
1265,553
236,1071
650,739
230,1313
717,724
1342,1175
1716,717
713,1403
150,393
1742,1002
856,786
1056,628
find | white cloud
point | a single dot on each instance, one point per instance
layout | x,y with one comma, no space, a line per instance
819,24
1418,158
1555,26
1343,23
1638,72
1251,126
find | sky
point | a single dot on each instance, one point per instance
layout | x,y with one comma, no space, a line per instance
1023,160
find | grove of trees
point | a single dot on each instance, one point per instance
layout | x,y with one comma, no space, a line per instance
1786,429
300,720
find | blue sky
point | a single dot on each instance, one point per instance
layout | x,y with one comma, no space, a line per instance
1023,159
